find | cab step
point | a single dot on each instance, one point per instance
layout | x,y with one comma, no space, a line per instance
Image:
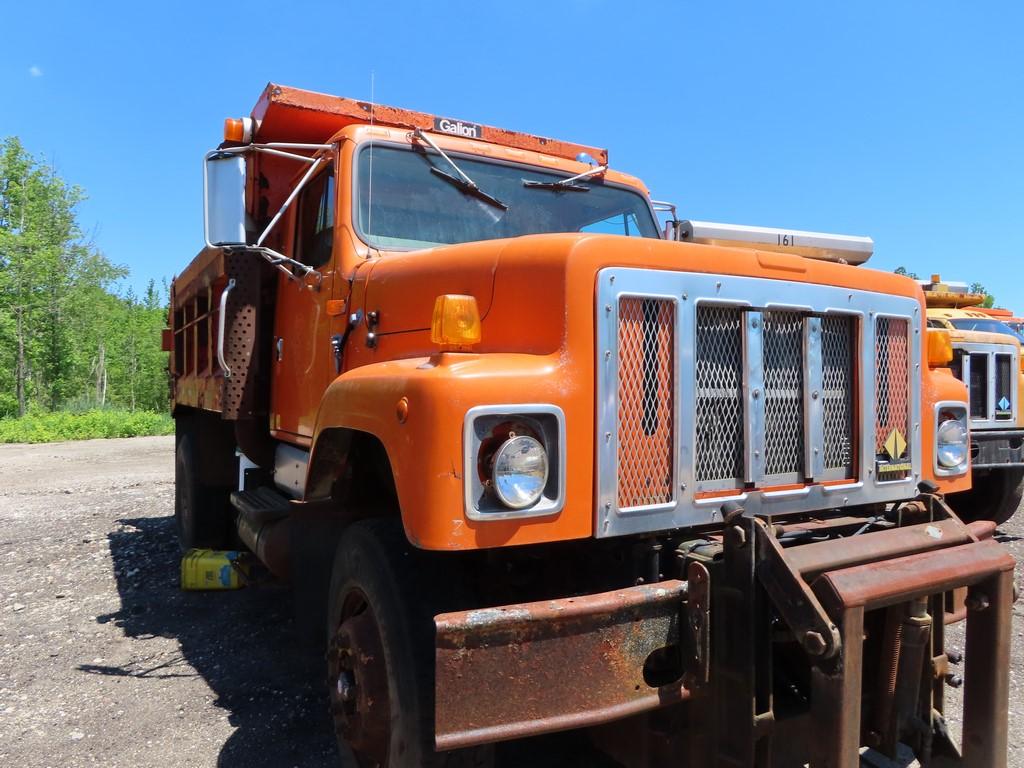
262,505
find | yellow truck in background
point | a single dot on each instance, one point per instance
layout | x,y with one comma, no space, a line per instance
987,358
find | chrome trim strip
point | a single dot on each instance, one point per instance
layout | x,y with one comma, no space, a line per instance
693,289
753,397
787,494
814,412
842,487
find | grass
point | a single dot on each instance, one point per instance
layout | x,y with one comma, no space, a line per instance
84,425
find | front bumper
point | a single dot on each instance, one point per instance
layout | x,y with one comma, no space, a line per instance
991,449
532,668
521,670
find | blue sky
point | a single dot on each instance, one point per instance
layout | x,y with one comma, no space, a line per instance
899,120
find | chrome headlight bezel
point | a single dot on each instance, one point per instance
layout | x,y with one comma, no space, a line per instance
547,424
960,409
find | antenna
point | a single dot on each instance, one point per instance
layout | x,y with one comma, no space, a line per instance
369,194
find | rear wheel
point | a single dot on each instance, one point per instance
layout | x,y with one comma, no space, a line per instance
994,495
380,654
200,510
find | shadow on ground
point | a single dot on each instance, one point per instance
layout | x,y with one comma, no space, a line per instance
243,645
240,642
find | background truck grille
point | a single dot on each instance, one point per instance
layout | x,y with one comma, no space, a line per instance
646,396
719,416
990,372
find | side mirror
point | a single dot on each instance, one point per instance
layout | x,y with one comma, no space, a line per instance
224,199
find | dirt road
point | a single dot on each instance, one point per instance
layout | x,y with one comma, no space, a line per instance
103,661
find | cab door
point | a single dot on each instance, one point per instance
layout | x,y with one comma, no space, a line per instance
302,357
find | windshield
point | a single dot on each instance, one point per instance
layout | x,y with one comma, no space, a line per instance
989,326
414,207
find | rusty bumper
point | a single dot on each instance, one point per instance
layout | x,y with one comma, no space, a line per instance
521,670
986,570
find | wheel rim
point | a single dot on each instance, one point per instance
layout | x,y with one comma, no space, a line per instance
358,681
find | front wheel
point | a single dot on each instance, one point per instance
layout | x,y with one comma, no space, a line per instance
380,653
995,495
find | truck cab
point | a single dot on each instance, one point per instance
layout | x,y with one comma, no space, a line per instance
986,355
538,461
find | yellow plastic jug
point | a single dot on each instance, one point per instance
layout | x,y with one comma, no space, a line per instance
213,569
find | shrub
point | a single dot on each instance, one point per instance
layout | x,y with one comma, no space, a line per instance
83,425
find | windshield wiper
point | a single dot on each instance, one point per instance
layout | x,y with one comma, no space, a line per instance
462,181
569,184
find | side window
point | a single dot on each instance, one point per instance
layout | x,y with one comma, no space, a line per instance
316,221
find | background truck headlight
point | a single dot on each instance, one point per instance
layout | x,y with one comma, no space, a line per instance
952,439
520,471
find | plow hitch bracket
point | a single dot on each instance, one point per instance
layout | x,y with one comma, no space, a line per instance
793,597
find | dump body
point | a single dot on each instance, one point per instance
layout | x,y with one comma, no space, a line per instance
418,295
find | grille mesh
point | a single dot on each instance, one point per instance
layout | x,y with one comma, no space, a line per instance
646,396
978,386
837,392
892,381
1004,387
783,390
718,451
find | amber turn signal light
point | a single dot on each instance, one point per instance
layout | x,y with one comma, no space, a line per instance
456,322
940,347
238,129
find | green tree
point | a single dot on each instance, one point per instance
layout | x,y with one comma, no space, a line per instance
903,271
66,336
990,300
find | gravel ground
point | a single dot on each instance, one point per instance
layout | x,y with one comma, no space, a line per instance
103,661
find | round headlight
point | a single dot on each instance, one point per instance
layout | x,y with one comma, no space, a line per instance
520,471
952,443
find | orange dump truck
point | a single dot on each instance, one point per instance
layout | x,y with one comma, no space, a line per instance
986,355
534,464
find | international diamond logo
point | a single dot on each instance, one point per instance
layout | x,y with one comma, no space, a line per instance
895,444
1004,404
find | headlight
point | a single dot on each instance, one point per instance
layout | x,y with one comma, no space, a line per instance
952,444
520,471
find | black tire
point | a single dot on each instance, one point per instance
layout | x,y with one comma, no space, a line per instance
201,512
995,495
377,585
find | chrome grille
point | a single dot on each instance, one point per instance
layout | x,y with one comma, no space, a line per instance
759,389
783,365
718,371
837,334
990,372
892,388
646,397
